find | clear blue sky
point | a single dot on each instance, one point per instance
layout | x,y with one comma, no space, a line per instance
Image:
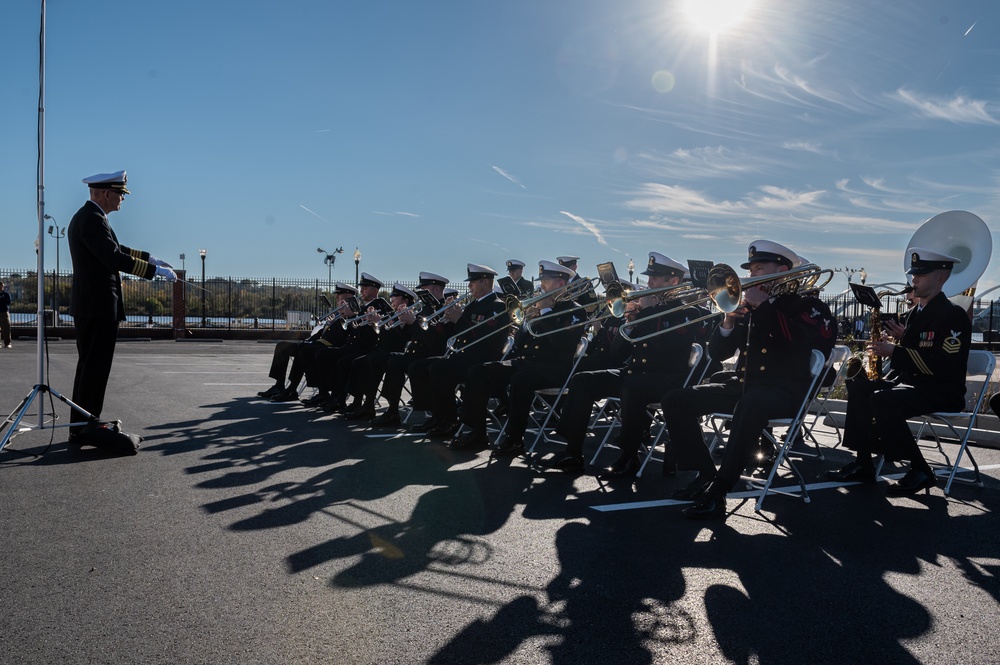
431,134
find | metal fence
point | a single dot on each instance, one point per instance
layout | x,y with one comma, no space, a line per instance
228,303
271,303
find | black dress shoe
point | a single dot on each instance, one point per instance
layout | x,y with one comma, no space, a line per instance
387,419
693,491
271,392
568,463
333,404
316,399
855,472
470,441
425,426
361,414
446,428
287,395
914,481
709,506
623,468
510,447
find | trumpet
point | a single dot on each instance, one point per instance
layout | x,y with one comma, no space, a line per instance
432,319
392,321
377,306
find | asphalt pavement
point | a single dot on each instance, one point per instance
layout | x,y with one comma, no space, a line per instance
252,532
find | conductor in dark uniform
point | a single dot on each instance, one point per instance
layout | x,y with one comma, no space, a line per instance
775,336
97,305
515,269
535,363
480,335
652,368
928,364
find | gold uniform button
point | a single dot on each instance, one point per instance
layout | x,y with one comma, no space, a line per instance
763,350
643,361
762,368
645,345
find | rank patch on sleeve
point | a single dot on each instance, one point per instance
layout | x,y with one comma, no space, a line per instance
952,344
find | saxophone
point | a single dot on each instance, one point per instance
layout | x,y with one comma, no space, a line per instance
873,367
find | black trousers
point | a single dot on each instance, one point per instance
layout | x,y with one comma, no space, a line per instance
95,346
366,374
751,410
493,380
433,382
636,392
889,405
284,351
397,366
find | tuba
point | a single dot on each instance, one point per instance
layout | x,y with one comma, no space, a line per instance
966,237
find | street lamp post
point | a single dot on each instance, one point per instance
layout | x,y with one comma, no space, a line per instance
58,233
631,269
357,262
329,261
202,253
182,263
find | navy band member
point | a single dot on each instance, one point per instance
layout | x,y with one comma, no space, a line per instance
775,336
301,354
535,363
433,381
423,344
515,268
928,364
653,367
367,370
97,305
585,295
330,371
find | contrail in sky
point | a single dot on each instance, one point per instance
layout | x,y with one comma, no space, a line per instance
312,213
590,227
970,29
508,176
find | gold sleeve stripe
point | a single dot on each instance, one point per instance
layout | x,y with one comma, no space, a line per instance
919,362
135,253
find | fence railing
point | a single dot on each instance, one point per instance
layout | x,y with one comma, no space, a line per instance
225,303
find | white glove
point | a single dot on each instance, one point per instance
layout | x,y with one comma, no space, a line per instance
158,262
166,273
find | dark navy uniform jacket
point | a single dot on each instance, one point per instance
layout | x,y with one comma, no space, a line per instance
776,341
556,349
98,261
666,353
485,309
934,350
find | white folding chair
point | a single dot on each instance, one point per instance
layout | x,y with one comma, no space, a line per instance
693,359
817,363
837,363
540,403
959,424
655,409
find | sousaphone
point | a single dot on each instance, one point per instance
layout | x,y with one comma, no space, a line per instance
966,237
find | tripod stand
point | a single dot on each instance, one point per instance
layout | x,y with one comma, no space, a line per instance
14,420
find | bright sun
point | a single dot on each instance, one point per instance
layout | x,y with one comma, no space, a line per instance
714,16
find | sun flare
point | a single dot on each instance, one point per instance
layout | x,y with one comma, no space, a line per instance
715,16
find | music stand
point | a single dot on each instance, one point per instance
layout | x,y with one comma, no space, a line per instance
866,295
16,416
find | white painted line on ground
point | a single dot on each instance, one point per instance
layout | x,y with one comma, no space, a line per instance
752,494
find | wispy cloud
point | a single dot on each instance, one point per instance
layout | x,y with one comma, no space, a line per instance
804,146
958,109
398,213
507,176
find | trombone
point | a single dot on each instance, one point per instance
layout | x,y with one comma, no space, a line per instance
724,289
517,308
432,319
